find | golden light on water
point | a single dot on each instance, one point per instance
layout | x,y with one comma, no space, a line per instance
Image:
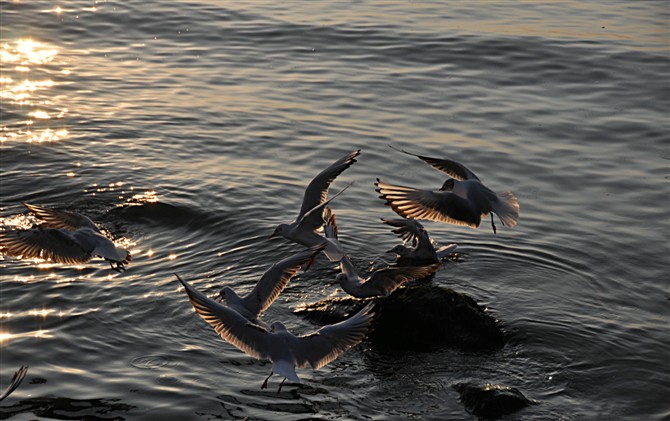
27,83
40,333
40,114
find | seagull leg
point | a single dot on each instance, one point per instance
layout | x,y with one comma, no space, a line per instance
493,224
280,385
265,383
111,265
308,264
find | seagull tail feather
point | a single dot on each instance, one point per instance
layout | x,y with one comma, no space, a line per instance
507,209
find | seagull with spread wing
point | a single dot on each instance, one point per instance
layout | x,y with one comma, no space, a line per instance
380,283
271,284
16,381
285,350
421,248
304,229
462,199
63,237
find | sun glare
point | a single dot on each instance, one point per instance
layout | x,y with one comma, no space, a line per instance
26,87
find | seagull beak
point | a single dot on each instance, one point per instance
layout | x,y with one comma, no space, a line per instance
272,235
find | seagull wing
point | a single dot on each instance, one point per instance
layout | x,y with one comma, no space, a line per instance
348,268
16,381
452,168
440,206
58,245
275,279
329,342
410,230
61,219
314,219
229,324
317,190
385,281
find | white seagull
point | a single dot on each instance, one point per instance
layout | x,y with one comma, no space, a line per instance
285,350
380,283
63,237
304,229
16,381
271,284
462,199
414,234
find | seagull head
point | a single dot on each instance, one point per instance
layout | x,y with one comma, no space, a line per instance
399,250
277,327
341,277
448,185
280,230
225,291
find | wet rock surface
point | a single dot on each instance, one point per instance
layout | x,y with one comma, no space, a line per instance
491,401
418,318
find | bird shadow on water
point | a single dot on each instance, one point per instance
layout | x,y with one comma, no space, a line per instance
59,408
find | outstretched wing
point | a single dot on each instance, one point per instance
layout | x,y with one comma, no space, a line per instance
16,381
329,342
410,230
53,218
275,279
440,206
385,281
314,218
452,168
317,190
229,324
58,245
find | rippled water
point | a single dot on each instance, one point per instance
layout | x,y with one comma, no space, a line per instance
211,119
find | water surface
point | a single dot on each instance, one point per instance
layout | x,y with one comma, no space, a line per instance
212,119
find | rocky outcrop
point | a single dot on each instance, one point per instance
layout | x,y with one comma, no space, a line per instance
418,318
491,401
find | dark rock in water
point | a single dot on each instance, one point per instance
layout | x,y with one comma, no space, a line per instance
491,401
418,318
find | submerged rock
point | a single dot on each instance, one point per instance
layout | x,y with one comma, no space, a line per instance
418,318
491,401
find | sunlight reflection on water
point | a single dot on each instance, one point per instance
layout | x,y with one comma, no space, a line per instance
26,87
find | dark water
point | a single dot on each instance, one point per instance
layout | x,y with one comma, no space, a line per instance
212,117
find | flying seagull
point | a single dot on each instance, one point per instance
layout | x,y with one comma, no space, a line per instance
63,237
380,283
271,284
304,229
462,199
285,350
16,381
421,247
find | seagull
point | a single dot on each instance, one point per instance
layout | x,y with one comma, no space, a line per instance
304,229
271,284
422,248
16,381
462,199
64,237
285,350
380,283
